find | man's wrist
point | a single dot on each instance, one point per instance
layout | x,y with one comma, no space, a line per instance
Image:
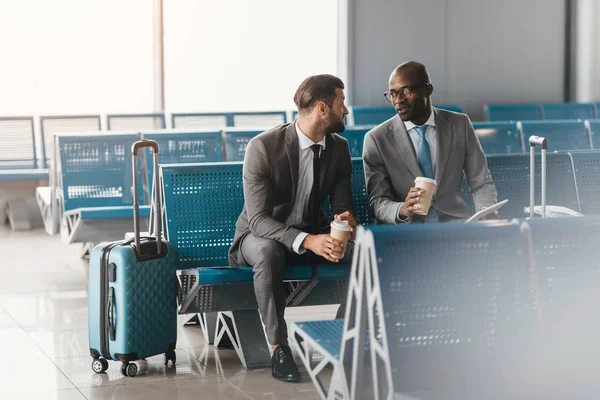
402,218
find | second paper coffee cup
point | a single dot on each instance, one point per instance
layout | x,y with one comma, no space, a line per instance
428,186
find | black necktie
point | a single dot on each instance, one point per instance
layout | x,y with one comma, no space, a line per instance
314,206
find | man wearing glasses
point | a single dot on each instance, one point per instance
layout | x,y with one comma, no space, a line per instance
423,141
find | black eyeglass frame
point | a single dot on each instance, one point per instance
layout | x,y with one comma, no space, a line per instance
408,92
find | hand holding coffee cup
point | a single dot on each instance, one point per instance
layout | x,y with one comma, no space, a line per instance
341,231
426,187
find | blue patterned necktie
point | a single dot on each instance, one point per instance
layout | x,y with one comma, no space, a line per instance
424,153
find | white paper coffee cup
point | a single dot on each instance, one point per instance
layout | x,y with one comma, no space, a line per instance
428,187
341,231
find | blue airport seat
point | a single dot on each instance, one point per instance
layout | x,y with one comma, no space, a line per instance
597,107
568,111
442,289
512,112
561,135
356,137
183,146
510,174
235,142
95,175
587,175
258,119
135,122
18,151
498,137
451,107
594,130
19,162
59,124
366,115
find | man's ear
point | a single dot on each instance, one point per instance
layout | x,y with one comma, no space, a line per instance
429,89
321,108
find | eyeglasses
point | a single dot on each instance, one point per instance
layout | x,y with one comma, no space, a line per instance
404,93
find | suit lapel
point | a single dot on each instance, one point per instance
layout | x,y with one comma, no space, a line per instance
401,141
444,138
292,148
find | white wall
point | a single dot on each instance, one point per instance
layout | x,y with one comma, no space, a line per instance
477,51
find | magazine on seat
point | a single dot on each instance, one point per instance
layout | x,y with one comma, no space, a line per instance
478,216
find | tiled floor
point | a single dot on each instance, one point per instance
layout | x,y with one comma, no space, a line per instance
44,350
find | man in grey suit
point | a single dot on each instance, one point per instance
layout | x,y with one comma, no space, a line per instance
288,172
423,141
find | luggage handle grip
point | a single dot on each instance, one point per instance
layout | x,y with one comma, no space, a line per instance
111,313
142,144
543,142
157,189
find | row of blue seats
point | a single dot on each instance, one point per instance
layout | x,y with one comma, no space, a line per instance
464,311
21,152
551,111
203,201
83,156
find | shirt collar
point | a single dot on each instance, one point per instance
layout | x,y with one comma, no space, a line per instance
305,141
430,121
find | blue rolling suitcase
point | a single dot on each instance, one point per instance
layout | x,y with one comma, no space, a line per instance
132,292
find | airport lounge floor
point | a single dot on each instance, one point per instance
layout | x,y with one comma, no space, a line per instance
44,339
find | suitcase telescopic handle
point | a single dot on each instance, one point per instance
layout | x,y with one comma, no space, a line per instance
543,143
157,189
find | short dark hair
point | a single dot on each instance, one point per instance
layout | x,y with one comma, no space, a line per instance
314,89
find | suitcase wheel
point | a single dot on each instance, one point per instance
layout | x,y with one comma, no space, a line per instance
129,369
170,356
99,365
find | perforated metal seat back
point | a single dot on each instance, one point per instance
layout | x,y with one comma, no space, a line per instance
52,125
236,141
587,174
510,174
202,202
96,170
187,147
498,137
356,136
456,298
359,192
18,143
513,112
566,254
568,111
561,135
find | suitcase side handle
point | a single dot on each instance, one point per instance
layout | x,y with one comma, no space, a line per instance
543,143
157,196
111,313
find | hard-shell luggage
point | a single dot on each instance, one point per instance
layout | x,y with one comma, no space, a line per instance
535,141
132,292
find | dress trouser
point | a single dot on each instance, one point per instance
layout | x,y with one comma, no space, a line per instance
268,259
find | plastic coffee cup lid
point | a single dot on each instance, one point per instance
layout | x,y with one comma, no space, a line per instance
341,225
423,179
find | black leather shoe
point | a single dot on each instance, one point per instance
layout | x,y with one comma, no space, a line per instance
283,365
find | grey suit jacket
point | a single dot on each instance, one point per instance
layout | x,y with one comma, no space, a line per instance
270,180
391,167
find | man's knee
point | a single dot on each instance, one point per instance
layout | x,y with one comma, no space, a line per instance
268,252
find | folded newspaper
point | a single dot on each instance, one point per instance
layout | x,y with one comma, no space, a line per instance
554,211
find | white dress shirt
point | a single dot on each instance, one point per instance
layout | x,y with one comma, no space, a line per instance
299,212
430,136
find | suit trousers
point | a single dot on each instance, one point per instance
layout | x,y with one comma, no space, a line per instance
268,259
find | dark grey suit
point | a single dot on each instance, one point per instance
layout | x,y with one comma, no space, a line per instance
262,239
391,167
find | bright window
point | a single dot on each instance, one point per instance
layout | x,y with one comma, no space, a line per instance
239,55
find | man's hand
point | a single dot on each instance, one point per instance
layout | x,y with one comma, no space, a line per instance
412,198
349,218
325,246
